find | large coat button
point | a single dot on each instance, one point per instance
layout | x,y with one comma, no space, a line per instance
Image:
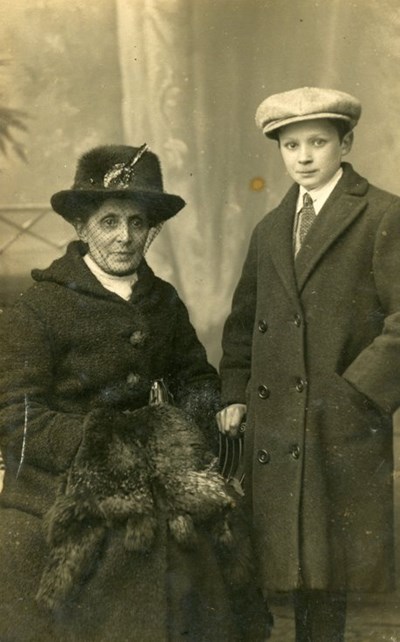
263,456
263,392
262,326
137,337
295,451
132,379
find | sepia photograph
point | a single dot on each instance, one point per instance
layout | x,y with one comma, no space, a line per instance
199,321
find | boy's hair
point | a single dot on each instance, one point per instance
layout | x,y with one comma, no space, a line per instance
342,127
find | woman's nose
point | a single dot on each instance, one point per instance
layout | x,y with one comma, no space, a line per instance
124,233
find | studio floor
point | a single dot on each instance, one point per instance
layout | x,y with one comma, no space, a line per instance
371,619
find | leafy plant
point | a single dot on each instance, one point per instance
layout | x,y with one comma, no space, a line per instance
10,120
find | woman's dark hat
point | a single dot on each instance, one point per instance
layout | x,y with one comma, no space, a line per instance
117,171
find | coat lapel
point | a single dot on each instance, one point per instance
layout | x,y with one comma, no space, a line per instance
344,205
280,241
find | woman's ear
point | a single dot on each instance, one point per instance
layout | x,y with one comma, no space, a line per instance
80,227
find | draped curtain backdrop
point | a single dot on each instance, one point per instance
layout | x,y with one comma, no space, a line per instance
193,73
185,76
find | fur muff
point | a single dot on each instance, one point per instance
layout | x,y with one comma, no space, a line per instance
128,465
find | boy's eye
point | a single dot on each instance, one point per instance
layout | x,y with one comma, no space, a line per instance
290,145
319,142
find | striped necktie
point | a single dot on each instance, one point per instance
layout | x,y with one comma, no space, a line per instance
307,217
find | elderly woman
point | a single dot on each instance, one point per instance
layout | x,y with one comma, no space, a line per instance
112,519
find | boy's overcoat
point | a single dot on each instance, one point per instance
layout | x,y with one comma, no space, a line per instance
312,346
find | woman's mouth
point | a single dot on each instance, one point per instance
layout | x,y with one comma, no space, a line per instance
124,255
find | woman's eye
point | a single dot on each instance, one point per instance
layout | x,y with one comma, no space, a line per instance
109,222
137,223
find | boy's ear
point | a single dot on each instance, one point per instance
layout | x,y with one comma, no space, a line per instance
347,143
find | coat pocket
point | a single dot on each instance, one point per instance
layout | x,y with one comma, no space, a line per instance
357,414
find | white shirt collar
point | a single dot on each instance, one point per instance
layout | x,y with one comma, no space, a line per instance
121,285
320,195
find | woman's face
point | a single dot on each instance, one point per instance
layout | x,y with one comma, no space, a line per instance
116,234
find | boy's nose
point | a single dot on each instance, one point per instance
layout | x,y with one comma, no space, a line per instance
305,154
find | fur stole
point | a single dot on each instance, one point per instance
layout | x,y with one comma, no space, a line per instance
131,469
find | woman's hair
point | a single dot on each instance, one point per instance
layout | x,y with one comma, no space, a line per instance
85,207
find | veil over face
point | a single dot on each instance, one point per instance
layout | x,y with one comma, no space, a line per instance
116,235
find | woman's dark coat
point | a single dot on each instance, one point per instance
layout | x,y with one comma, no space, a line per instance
313,347
69,346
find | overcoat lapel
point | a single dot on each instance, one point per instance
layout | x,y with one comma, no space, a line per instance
344,205
280,241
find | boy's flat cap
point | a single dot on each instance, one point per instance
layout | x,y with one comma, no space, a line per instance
306,103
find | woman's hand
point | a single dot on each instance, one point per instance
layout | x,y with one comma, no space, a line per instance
230,419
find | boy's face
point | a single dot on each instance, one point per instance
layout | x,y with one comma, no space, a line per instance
312,151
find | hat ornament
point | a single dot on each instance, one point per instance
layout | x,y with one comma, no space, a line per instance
120,175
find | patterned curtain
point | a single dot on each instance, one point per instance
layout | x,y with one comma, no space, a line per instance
182,94
185,76
193,73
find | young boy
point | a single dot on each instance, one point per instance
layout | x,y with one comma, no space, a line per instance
312,357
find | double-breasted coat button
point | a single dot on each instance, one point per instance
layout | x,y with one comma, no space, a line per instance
263,456
262,326
263,392
132,379
295,451
297,320
300,384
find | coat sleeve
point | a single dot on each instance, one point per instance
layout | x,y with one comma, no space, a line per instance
237,336
29,429
192,379
376,370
